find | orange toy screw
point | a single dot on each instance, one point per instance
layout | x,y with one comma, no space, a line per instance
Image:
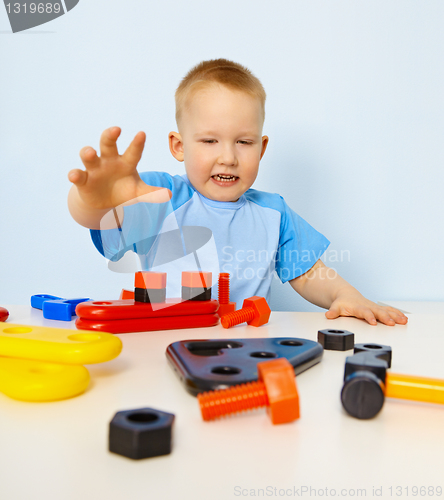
255,311
276,389
225,306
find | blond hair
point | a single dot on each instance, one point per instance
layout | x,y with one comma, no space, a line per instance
219,71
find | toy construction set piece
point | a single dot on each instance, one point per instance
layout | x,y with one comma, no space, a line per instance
44,364
132,315
196,286
255,312
38,381
141,433
150,287
208,365
55,307
367,382
336,340
276,389
4,314
225,306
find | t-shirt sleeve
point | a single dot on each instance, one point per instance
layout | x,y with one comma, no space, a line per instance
300,245
142,222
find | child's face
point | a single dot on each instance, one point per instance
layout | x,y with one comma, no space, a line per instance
220,142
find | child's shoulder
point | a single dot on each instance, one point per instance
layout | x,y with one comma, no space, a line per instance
164,179
180,188
266,199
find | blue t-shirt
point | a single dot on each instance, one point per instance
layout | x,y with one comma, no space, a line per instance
251,238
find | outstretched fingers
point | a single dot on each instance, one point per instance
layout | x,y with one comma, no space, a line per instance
89,157
108,142
134,151
77,177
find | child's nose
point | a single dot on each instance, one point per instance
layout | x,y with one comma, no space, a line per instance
227,156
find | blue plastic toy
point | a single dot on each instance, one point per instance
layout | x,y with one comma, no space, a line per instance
55,307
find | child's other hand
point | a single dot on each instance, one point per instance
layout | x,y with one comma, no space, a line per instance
112,179
358,306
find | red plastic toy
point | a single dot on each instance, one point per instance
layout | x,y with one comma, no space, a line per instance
148,324
138,313
150,280
276,389
196,279
4,313
131,309
225,306
255,311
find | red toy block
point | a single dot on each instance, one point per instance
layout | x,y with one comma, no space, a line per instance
148,324
196,279
255,311
126,294
130,309
276,389
148,279
4,313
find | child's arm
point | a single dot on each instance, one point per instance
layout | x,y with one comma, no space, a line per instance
109,180
325,288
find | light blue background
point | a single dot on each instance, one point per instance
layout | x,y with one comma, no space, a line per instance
355,116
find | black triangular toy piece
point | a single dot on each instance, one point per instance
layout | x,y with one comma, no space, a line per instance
208,365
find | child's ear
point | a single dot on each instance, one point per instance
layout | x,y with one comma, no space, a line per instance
264,145
176,145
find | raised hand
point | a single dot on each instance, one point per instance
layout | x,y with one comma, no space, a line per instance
110,180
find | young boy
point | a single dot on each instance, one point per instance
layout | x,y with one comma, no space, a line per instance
220,115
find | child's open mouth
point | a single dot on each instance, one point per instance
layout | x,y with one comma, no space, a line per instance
225,179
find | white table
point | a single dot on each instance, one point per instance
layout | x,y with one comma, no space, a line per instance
59,450
413,307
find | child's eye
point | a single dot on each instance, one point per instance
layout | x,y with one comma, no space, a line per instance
248,143
209,141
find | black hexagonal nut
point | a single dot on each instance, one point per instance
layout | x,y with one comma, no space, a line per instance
381,351
141,433
336,340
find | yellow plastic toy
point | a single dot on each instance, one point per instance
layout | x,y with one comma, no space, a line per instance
44,364
29,380
57,345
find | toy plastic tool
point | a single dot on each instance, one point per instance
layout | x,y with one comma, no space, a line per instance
123,316
29,380
209,365
255,311
276,389
55,307
57,345
367,383
225,306
44,364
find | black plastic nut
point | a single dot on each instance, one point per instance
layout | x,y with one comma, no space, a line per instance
141,433
379,350
336,340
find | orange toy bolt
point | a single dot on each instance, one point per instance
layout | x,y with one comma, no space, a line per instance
276,389
225,306
255,311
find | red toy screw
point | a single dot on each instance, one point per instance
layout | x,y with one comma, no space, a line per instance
225,306
255,311
276,389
